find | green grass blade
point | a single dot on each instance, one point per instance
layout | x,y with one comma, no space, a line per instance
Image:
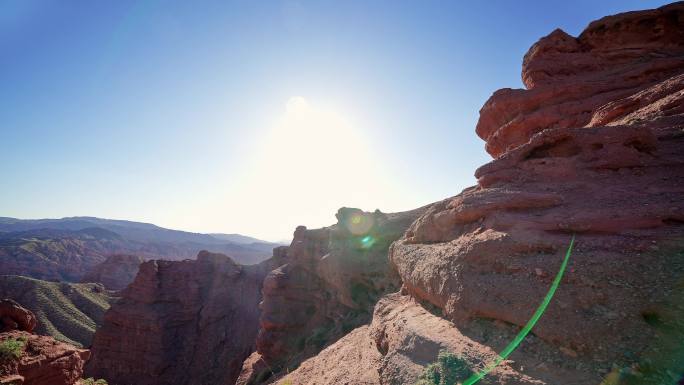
530,324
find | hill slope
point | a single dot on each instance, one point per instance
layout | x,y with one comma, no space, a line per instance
67,249
70,312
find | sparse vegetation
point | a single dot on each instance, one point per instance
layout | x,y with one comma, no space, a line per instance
92,381
69,312
12,348
318,337
449,369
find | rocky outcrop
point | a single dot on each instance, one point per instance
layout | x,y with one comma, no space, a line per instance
116,272
592,147
15,317
181,322
41,360
395,348
29,359
332,279
622,70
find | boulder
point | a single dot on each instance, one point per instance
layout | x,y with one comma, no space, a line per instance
15,317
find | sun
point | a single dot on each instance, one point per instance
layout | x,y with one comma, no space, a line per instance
314,159
297,106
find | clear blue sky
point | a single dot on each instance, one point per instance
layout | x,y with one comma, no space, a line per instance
187,114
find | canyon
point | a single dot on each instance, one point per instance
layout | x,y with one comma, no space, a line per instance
590,150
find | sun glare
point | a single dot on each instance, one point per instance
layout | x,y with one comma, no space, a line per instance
315,160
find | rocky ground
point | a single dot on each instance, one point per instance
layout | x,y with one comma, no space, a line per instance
31,359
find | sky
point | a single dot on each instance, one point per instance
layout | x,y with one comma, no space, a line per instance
254,117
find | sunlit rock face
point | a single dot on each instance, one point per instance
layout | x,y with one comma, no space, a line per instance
622,70
181,322
594,147
332,279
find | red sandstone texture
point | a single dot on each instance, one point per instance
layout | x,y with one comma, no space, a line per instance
622,70
332,279
116,272
15,317
181,322
44,361
41,360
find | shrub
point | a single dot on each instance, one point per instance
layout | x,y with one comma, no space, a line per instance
92,381
11,348
318,338
449,369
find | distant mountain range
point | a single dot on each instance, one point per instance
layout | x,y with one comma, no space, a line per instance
67,248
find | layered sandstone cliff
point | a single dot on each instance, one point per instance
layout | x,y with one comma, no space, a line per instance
594,146
181,322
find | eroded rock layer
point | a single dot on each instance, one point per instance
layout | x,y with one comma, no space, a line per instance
622,70
594,147
332,279
181,322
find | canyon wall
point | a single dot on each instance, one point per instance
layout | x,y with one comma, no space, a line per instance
181,322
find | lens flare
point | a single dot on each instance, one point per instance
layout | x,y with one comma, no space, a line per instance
359,224
367,242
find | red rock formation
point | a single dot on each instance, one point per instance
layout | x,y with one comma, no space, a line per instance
622,70
333,278
116,272
394,348
15,317
593,147
181,322
29,359
43,361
